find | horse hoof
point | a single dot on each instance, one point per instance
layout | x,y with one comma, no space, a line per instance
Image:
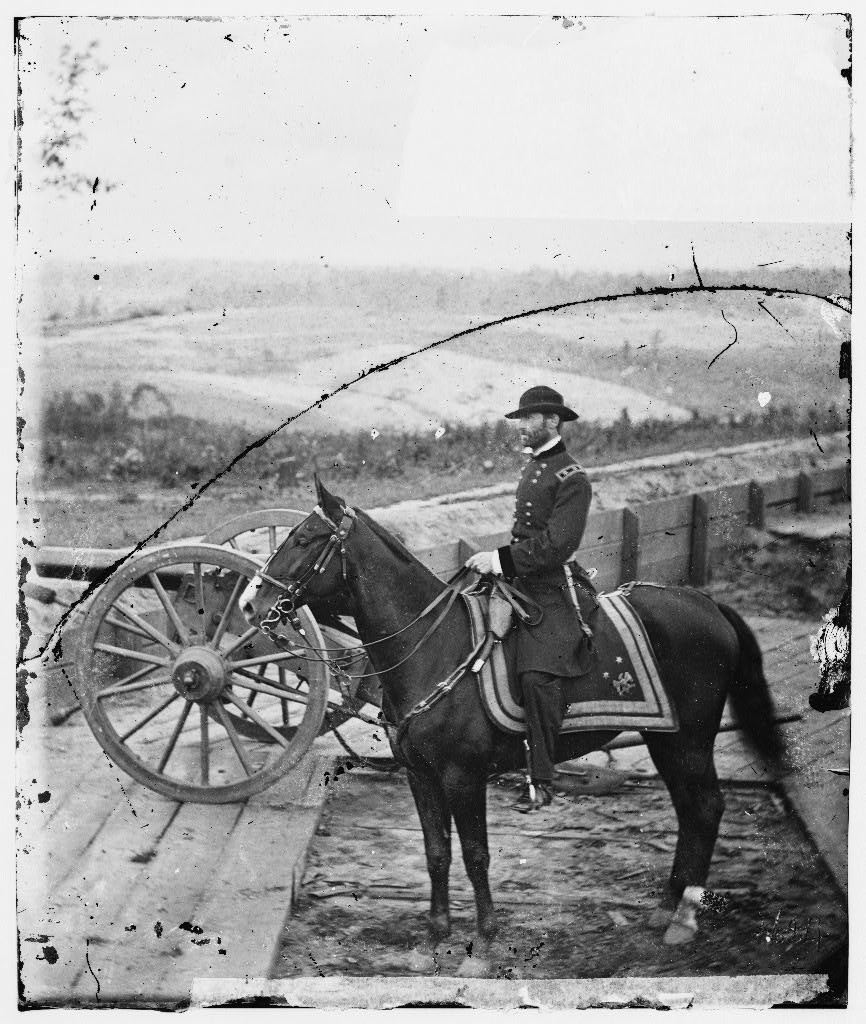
474,967
684,923
678,934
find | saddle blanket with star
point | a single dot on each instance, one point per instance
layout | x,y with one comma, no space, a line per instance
621,690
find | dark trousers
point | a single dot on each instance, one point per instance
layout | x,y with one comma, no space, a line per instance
542,702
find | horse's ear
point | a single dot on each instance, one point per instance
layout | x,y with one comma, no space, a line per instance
329,503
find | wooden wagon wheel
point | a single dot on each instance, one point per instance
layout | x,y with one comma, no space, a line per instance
256,533
170,677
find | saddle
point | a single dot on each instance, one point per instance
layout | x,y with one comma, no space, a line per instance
503,603
621,687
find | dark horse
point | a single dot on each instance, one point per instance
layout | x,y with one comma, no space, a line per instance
705,653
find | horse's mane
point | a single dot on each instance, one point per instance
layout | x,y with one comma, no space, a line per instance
395,546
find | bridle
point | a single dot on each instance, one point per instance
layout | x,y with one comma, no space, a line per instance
285,609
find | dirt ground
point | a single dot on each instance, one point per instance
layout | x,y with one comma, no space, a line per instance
799,577
574,888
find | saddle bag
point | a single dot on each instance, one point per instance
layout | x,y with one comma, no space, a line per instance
500,615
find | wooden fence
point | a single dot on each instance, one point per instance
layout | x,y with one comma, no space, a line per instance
669,541
673,540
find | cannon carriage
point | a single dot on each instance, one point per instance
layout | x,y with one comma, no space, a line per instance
184,695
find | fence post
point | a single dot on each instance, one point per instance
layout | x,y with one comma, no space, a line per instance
630,557
805,493
757,506
699,568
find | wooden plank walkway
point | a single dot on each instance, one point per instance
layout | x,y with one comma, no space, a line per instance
125,896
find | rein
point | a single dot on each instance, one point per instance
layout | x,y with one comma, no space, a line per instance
285,609
441,689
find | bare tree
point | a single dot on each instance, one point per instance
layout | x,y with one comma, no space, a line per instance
67,117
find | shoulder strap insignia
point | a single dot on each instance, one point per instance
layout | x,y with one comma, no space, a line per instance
567,471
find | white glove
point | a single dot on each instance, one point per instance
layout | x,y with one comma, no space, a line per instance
481,561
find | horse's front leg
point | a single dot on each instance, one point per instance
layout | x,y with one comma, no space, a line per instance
467,798
436,826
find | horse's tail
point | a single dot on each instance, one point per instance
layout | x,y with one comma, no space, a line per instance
750,694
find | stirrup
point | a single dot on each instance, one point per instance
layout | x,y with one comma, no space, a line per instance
534,797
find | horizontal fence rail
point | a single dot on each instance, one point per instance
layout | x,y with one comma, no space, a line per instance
672,540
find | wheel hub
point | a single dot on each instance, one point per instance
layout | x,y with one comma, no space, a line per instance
199,674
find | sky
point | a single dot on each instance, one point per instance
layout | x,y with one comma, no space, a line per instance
449,141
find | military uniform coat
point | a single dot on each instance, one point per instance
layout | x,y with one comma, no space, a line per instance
553,499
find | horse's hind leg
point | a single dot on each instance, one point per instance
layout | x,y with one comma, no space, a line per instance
690,775
436,825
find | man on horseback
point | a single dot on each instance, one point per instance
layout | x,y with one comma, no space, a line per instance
553,498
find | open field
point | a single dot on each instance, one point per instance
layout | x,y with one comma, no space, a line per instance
210,380
259,363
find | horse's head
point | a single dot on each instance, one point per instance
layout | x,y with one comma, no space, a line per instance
310,563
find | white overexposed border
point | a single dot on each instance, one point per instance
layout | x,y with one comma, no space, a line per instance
7,961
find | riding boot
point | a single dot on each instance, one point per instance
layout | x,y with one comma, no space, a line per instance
542,702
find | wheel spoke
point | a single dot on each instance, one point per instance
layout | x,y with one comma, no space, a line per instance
225,718
250,682
244,638
226,615
127,652
110,621
163,761
170,609
234,544
257,718
138,674
272,538
199,595
151,631
260,675
205,744
149,717
284,704
149,684
264,659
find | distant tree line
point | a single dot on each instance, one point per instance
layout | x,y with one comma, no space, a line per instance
89,436
129,290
